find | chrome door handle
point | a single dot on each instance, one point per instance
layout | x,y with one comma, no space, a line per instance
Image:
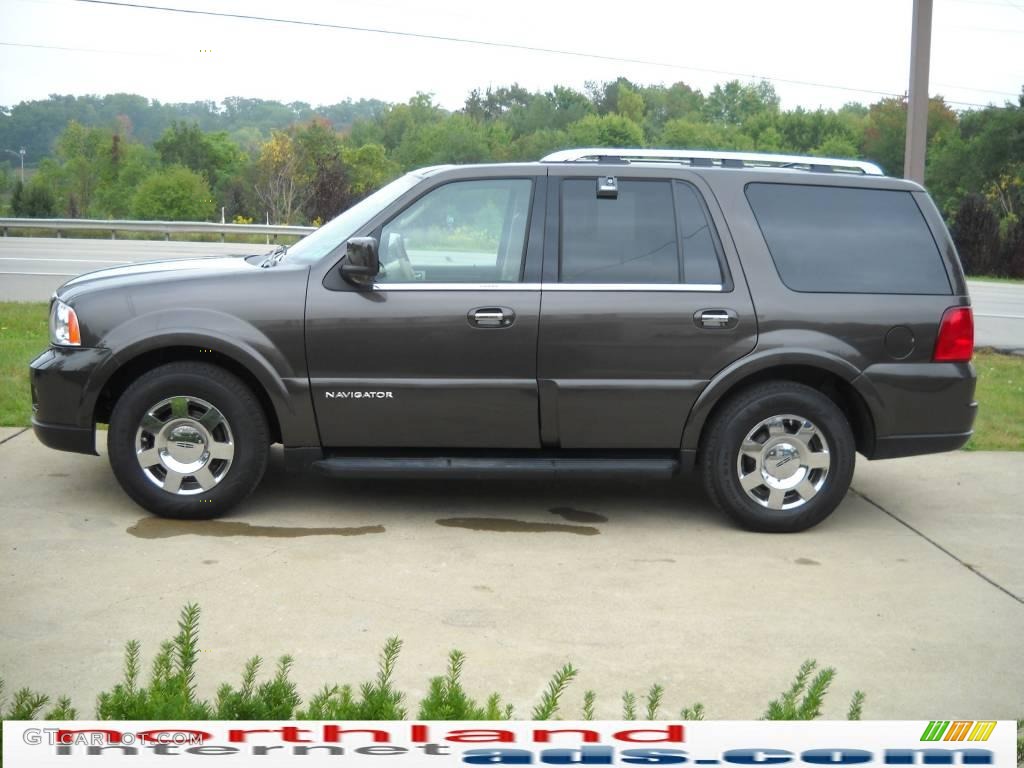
715,318
491,317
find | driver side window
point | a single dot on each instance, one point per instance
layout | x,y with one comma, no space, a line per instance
462,232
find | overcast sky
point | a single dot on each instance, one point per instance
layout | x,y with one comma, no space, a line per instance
977,48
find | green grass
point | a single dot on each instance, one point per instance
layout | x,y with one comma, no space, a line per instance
995,279
1000,395
23,335
1000,424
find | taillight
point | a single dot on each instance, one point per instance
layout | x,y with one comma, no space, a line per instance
955,343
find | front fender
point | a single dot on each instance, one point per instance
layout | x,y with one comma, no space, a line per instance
224,334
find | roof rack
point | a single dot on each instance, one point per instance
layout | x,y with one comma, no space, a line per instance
711,158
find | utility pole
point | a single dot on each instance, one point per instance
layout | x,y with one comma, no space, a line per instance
20,153
917,103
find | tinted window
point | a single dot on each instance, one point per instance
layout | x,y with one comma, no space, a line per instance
700,248
463,232
628,239
845,240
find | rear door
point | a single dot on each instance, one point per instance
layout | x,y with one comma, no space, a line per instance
441,351
643,302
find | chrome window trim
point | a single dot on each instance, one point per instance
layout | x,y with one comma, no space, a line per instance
622,287
456,286
650,287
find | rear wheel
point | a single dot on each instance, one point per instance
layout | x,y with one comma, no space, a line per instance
188,440
778,457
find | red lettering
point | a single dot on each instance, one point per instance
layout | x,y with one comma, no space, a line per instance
545,735
333,733
479,736
674,733
420,733
239,734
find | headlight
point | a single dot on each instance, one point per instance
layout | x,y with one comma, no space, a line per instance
64,330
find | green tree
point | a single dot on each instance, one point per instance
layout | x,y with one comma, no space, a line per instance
176,193
630,104
369,168
33,200
606,131
735,102
693,135
214,155
885,132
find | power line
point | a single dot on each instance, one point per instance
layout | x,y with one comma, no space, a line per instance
485,43
68,48
495,44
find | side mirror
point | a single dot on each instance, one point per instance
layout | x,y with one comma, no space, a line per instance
361,263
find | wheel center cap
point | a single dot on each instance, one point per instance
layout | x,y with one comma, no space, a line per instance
782,460
186,444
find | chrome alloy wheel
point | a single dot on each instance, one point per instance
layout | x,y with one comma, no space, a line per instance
184,445
783,462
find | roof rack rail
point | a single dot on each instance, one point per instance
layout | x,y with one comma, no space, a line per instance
705,158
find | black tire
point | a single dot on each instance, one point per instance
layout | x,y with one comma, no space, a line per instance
250,439
720,453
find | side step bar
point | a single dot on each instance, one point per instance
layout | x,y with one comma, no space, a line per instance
486,468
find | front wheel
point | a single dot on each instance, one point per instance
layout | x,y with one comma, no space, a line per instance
778,457
188,440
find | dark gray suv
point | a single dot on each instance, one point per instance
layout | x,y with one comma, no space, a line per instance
603,312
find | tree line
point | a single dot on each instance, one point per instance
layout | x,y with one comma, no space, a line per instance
122,156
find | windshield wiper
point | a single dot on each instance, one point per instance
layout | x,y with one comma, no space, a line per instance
274,257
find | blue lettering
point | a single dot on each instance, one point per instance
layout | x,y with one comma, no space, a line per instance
497,757
757,756
582,756
653,756
836,756
938,756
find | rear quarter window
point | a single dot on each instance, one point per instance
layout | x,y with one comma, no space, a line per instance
827,239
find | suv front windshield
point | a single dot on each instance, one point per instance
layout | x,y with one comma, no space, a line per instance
316,245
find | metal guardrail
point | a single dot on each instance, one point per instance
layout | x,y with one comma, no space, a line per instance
166,228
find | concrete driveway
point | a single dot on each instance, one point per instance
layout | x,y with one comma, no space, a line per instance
913,589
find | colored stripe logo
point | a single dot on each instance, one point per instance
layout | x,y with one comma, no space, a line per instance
958,730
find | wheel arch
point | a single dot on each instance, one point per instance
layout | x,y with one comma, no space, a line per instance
835,377
128,367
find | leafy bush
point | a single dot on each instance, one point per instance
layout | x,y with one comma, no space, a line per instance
170,693
173,194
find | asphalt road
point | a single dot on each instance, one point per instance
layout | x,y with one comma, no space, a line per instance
31,268
913,589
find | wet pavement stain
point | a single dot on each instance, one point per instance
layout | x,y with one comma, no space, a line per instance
806,561
578,515
159,528
503,525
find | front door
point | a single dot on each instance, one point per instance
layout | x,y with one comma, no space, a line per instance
441,351
640,309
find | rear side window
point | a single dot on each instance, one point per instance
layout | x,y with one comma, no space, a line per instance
653,232
848,240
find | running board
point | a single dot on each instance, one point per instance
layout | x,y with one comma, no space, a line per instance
481,468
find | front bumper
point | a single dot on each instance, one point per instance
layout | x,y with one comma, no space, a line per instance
62,398
64,438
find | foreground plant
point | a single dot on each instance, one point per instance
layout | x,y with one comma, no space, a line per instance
170,693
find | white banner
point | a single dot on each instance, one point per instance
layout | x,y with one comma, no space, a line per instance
56,744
